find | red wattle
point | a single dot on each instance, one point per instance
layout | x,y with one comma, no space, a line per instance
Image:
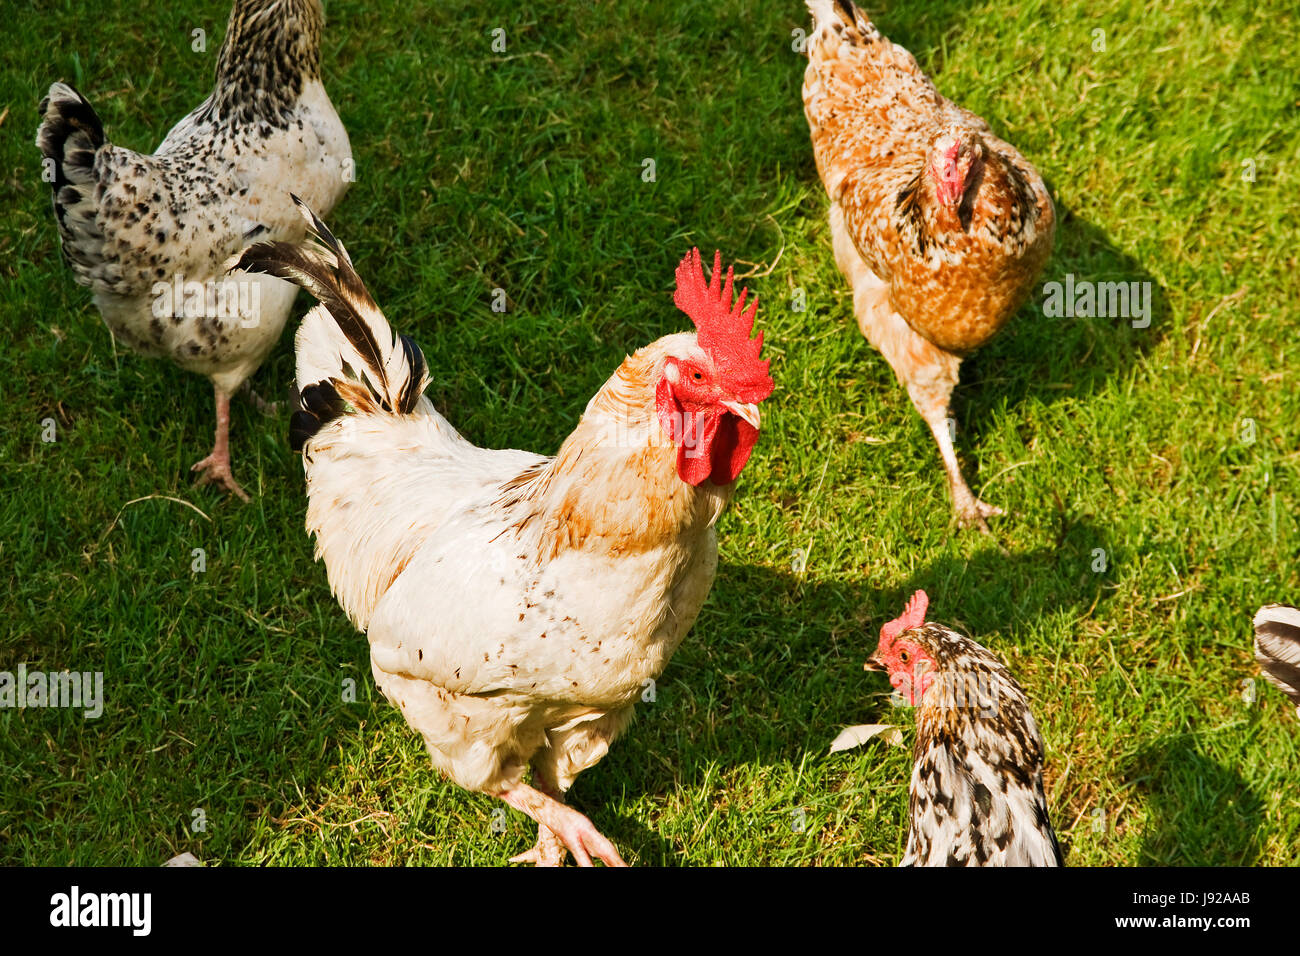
714,444
695,456
731,448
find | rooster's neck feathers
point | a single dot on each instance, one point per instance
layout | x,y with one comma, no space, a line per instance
271,50
613,486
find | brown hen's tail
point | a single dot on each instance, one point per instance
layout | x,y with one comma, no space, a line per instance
842,49
838,21
1277,648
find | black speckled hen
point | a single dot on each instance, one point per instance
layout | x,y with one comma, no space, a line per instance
149,234
977,785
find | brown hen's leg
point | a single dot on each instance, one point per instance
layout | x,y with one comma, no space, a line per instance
574,830
930,378
928,372
216,467
969,509
549,850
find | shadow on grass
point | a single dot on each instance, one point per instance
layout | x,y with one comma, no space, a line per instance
1201,813
773,669
1057,358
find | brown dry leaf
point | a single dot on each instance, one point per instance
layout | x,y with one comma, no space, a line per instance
859,734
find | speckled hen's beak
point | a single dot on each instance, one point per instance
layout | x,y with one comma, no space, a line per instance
748,412
873,665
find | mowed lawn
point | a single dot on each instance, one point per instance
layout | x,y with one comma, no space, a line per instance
1150,473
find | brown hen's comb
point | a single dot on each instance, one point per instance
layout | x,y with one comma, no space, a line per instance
723,328
913,616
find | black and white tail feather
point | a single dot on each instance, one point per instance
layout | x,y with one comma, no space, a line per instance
69,138
1277,648
347,354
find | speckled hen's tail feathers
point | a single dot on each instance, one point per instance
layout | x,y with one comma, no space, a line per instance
69,138
1277,648
845,55
348,358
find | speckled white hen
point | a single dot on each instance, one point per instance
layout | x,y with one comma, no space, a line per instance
517,604
976,797
148,234
1277,648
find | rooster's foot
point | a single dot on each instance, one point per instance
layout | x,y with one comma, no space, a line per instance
583,839
549,850
570,827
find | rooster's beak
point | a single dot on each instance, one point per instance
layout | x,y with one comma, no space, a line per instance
748,412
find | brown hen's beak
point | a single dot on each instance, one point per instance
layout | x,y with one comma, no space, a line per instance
872,664
746,411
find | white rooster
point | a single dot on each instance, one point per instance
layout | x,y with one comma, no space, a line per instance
149,234
517,605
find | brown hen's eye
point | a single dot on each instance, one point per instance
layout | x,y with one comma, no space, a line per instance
904,657
698,376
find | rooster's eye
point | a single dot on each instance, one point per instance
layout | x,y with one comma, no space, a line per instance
698,376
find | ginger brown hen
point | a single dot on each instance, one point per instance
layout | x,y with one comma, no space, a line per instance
940,227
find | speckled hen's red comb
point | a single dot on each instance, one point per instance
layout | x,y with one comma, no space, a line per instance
913,616
722,328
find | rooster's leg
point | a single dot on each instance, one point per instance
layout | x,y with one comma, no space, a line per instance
216,467
969,509
572,829
549,850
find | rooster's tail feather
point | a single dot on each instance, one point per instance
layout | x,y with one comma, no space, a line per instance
1277,648
347,354
69,137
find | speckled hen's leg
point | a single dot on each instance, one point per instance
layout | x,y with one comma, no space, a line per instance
928,372
269,409
216,467
568,825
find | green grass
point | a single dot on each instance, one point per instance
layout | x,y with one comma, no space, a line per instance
523,171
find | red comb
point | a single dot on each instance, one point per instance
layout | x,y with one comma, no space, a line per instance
913,616
722,329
